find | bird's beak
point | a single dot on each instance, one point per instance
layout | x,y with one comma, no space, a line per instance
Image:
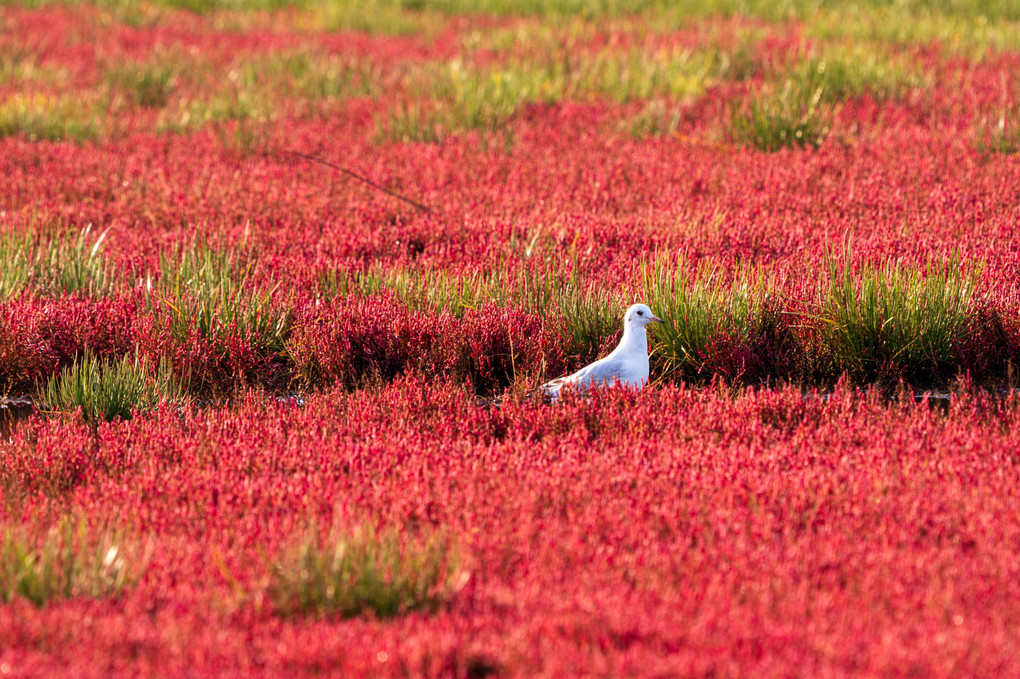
656,319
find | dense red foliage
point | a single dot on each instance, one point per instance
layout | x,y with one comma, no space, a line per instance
904,176
674,532
364,339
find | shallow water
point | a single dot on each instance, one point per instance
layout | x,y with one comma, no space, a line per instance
12,411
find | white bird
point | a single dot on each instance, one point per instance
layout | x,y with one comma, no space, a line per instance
626,365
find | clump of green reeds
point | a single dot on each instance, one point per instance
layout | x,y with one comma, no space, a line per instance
60,263
148,85
15,263
107,391
431,290
66,563
700,312
1001,134
793,116
892,319
461,97
349,573
589,316
657,118
332,283
67,264
211,292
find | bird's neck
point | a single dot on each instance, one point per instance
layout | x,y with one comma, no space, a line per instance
634,341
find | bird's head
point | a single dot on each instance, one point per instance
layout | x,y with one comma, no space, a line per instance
639,315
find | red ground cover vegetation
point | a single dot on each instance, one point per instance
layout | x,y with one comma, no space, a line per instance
676,532
702,529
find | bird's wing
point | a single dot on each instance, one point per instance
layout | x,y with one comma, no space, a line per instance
599,372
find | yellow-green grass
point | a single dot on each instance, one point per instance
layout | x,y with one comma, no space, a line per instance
969,29
971,26
769,9
534,64
364,571
999,132
844,71
68,561
48,117
148,84
462,96
23,67
792,114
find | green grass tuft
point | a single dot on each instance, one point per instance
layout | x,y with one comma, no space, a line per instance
698,310
108,391
657,118
316,76
69,264
211,292
15,263
352,573
591,316
434,290
999,134
60,263
892,320
794,116
588,315
41,117
148,85
21,66
67,563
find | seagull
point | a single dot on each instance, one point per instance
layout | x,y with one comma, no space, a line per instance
626,365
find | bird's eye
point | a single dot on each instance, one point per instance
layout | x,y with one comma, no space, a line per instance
641,313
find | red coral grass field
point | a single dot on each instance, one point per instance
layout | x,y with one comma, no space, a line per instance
278,281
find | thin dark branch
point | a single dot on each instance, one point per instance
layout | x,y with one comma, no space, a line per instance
354,175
